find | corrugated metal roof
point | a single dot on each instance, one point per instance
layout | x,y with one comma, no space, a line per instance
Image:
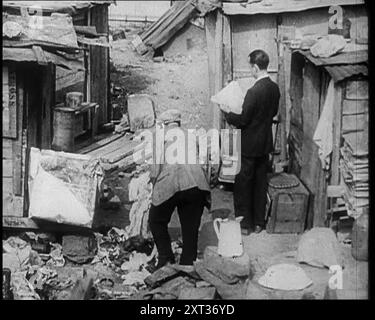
342,65
341,72
278,6
169,23
353,57
28,55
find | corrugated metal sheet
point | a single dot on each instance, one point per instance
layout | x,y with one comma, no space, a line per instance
354,57
278,6
341,72
169,23
341,66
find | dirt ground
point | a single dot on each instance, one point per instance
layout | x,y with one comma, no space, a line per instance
179,83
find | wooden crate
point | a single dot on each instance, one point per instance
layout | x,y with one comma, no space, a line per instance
288,209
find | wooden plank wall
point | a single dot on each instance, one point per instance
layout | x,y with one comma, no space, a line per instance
13,157
210,20
48,102
304,156
295,138
99,65
250,33
260,31
219,79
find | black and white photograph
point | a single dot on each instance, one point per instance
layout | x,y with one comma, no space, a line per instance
186,150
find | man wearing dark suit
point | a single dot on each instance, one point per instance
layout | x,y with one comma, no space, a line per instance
259,107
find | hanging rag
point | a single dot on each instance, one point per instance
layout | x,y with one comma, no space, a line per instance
323,135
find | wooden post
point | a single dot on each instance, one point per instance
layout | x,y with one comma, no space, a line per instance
227,57
227,50
99,65
17,144
218,66
210,40
282,105
337,117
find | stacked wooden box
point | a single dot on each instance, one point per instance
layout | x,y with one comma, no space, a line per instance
354,169
354,162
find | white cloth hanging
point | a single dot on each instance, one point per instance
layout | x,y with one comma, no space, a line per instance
323,135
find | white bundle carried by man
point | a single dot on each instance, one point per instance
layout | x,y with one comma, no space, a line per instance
231,96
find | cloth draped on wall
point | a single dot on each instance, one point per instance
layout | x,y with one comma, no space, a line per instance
323,135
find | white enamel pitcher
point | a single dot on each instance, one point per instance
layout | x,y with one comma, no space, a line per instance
229,235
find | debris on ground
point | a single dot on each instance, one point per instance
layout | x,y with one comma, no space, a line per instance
135,278
139,244
22,288
170,289
16,253
56,256
202,293
319,247
79,249
160,276
136,262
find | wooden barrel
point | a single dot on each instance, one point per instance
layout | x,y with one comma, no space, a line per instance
63,130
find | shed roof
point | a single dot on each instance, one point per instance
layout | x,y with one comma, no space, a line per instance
54,31
168,24
278,6
162,30
70,7
342,65
29,55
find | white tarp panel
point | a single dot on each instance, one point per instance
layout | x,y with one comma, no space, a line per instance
63,187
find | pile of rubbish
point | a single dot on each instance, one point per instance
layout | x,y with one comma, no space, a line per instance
213,277
35,264
31,260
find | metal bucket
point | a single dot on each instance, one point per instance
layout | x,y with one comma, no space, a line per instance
63,130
